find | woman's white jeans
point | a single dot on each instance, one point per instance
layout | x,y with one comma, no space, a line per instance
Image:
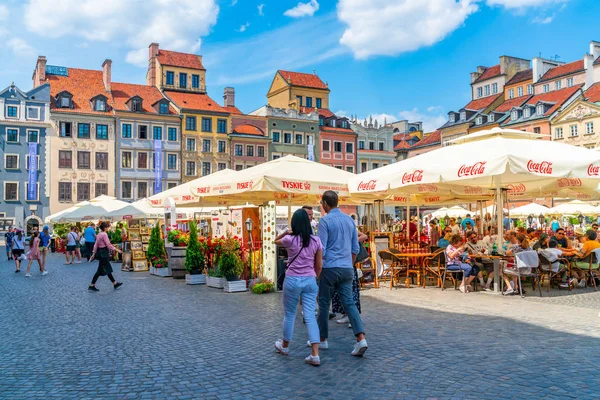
294,288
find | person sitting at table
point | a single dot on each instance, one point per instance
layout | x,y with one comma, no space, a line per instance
561,239
474,248
530,234
466,221
454,254
519,243
581,265
445,240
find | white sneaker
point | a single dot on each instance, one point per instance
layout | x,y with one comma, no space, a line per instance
343,320
77,262
462,289
349,325
486,288
581,283
284,351
360,348
509,291
45,273
313,360
28,275
323,345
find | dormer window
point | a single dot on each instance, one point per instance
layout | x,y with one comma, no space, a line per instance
452,117
99,103
463,115
540,109
321,121
163,108
491,118
479,120
64,100
332,123
526,112
514,115
136,105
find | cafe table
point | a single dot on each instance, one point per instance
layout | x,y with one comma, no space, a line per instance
420,256
496,260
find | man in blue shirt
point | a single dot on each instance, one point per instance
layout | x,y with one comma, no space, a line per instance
89,234
44,246
339,238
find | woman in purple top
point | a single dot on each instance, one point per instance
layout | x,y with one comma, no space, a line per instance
304,266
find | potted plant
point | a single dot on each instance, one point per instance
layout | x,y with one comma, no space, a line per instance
231,265
215,278
195,257
177,257
157,255
116,238
262,285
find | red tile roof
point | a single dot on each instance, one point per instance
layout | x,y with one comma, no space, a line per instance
335,130
177,59
82,84
122,92
400,146
233,110
302,79
194,101
401,136
430,139
324,112
593,93
521,76
489,73
562,70
558,97
247,129
480,104
516,102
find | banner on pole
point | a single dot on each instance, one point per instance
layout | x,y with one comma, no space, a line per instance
32,194
157,166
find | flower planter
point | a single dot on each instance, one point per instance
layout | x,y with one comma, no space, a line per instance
164,272
215,282
152,272
197,279
177,262
234,286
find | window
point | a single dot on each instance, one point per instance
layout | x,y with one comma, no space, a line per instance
350,169
537,130
101,160
205,168
478,120
520,91
195,81
126,157
65,192
83,131
190,123
33,113
558,133
511,93
171,185
514,115
558,85
182,80
142,160
344,123
287,138
190,144
37,159
276,157
142,132
491,118
190,168
221,126
239,150
142,190
206,124
526,112
276,137
241,167
308,101
325,145
11,161
363,167
222,146
65,102
11,191
65,159
299,98
371,145
126,190
318,100
321,121
589,128
540,109
381,145
337,147
157,132
261,151
463,115
332,123
101,189
206,145
349,147
100,106
569,82
172,135
65,129
487,90
102,132
479,91
494,88
163,108
11,111
573,129
33,136
126,131
452,117
361,144
83,160
375,165
546,88
12,135
298,139
530,89
249,151
221,166
170,78
172,162
83,191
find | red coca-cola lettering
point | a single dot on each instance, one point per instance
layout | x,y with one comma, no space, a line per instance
415,176
569,182
544,167
364,186
471,170
204,190
519,188
593,170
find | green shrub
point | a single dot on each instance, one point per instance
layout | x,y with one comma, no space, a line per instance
156,253
195,256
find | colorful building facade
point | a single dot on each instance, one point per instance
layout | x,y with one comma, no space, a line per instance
249,139
579,122
375,144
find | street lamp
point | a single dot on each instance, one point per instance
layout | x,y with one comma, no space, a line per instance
248,224
580,218
530,219
459,220
446,220
541,219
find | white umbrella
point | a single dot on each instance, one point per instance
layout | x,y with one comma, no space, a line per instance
96,209
55,218
529,209
574,207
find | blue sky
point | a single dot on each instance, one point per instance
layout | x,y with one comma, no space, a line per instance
389,58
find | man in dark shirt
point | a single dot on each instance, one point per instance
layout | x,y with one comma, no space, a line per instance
8,236
561,239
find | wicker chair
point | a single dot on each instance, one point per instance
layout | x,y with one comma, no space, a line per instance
435,266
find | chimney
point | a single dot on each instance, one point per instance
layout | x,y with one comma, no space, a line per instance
475,76
106,73
151,74
595,49
39,75
588,65
229,97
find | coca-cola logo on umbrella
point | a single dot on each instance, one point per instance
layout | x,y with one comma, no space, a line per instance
472,170
473,190
593,170
516,189
365,186
543,167
427,188
569,182
415,176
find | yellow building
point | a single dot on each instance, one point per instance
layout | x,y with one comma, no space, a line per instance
579,123
294,90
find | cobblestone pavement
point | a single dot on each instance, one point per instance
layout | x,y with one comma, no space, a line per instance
159,338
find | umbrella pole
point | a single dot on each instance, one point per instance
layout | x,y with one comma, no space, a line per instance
499,237
408,222
418,222
481,218
289,210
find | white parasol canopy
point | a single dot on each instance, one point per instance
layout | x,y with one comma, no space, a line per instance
55,218
574,207
96,209
455,212
529,209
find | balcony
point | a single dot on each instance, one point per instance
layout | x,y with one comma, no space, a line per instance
175,87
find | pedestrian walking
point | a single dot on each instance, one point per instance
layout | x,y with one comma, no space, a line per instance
89,234
78,246
304,252
18,248
71,244
8,237
339,238
44,245
103,247
34,254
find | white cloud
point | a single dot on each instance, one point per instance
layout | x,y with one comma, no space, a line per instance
260,9
522,3
233,2
379,27
431,120
4,12
175,25
303,9
20,47
543,20
244,27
